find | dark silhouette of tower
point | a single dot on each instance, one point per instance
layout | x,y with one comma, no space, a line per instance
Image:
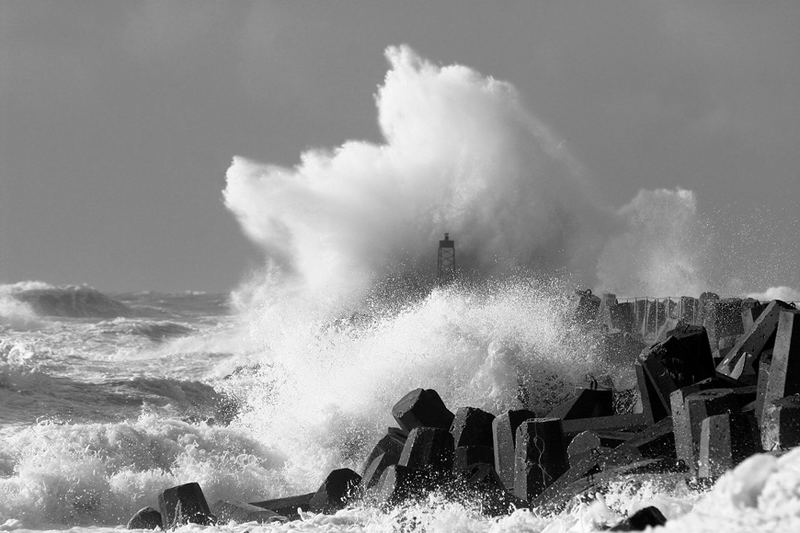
446,260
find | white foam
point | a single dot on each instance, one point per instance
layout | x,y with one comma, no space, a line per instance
460,154
325,389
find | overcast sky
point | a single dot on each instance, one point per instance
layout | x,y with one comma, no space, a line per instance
119,119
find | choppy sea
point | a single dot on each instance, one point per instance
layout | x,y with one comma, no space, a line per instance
106,399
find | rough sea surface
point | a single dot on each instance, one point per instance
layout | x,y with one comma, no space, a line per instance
105,400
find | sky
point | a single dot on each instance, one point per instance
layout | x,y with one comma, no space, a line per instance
118,119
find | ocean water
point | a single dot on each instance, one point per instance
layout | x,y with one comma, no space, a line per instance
99,412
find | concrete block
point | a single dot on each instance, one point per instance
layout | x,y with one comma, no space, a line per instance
613,438
706,303
422,408
616,458
287,506
657,440
504,438
558,490
472,427
145,518
583,443
685,354
629,422
725,441
780,424
738,363
653,407
639,314
607,301
723,318
689,311
390,444
682,429
398,483
682,359
784,368
687,423
373,472
184,504
751,310
764,363
241,512
641,520
622,317
621,346
481,476
540,456
655,316
586,403
429,449
466,456
583,466
334,493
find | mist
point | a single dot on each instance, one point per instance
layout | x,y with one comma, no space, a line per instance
460,154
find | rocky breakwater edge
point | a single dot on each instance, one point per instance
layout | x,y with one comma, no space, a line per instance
700,412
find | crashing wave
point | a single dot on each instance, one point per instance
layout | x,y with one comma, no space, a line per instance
155,330
67,301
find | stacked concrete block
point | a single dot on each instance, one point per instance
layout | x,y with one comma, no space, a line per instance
751,310
656,314
396,484
783,377
682,359
694,416
689,311
184,504
583,443
687,423
607,302
654,408
706,304
738,364
621,347
725,441
723,320
780,424
585,403
764,364
465,457
422,408
390,445
429,449
654,441
472,427
540,456
504,439
622,317
334,493
374,470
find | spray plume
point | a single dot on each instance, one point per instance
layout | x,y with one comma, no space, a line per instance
460,154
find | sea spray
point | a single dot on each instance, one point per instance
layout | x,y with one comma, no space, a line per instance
460,153
658,250
101,473
324,388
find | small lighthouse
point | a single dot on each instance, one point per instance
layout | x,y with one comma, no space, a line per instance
446,260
